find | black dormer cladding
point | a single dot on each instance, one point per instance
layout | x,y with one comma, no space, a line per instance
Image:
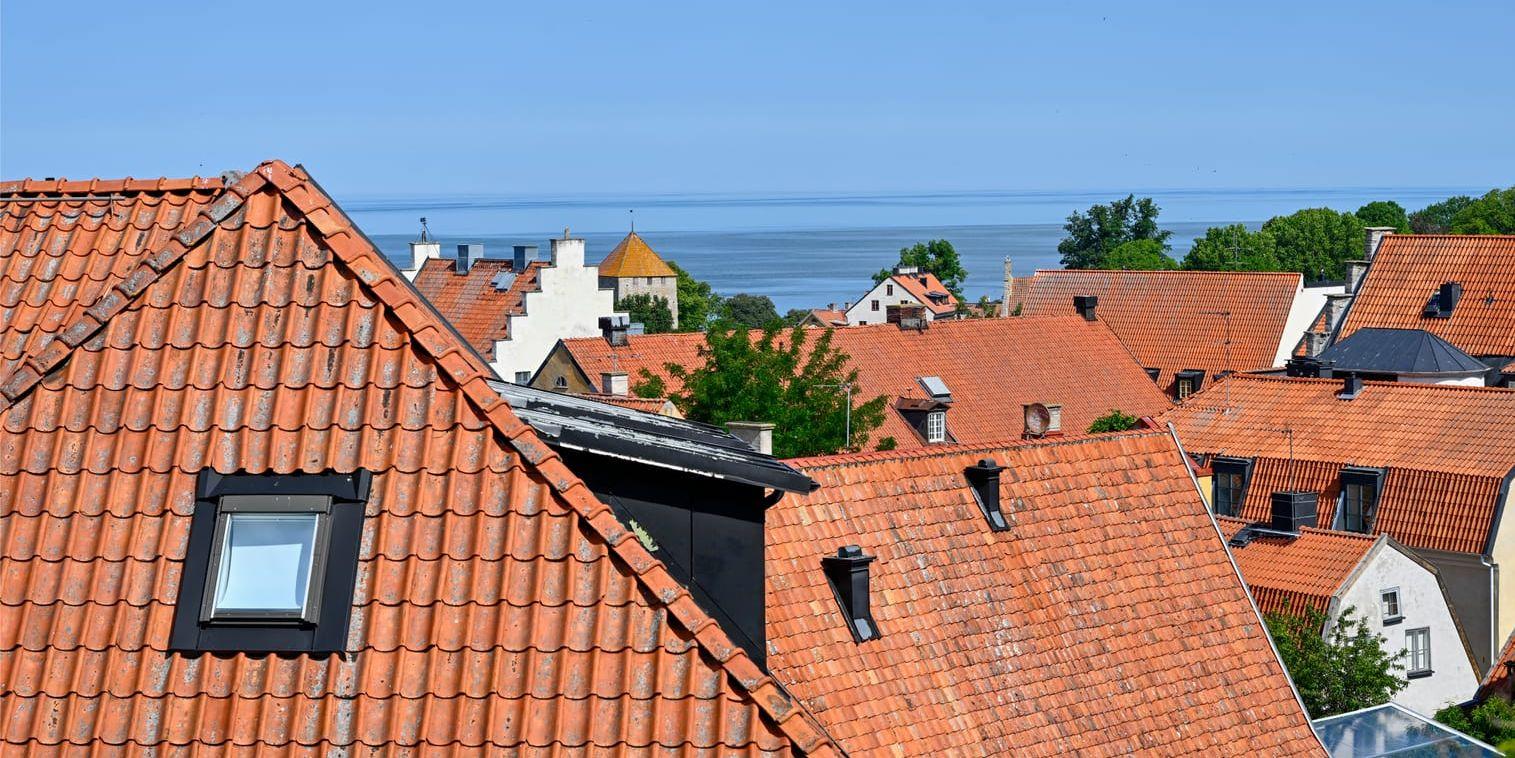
1443,301
984,479
847,572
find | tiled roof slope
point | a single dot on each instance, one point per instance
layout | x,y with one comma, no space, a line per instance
1446,449
1171,320
1409,268
480,312
991,366
1107,620
1295,573
920,284
499,606
829,317
634,257
1500,680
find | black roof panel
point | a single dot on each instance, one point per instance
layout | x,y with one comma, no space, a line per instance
1399,351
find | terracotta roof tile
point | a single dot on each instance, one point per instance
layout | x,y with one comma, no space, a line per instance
1446,449
991,366
922,286
829,317
477,309
659,405
1294,573
498,606
1171,320
634,257
1409,268
1107,620
1500,679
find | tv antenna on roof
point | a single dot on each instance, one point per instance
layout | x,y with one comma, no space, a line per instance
425,232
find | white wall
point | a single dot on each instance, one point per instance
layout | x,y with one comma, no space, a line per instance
1423,605
1307,304
862,311
568,303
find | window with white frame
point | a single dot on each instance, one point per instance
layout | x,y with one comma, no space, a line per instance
1389,605
523,377
936,426
1418,648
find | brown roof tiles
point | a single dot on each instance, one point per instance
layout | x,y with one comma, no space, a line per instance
922,286
480,311
175,327
1108,619
1295,573
634,257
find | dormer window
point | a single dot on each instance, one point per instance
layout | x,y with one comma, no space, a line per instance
1188,382
1229,485
271,563
1360,488
936,426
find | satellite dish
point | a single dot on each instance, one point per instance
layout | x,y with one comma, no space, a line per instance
1038,419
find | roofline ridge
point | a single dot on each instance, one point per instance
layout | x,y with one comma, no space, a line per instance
1179,271
845,460
66,186
429,332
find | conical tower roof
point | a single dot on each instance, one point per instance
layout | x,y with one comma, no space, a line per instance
634,257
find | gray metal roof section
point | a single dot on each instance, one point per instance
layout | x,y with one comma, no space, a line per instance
591,426
1399,351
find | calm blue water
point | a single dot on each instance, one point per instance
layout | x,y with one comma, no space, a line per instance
807,250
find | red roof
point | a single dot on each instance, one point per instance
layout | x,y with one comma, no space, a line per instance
1295,573
1172,320
1446,449
480,311
991,366
923,286
166,328
828,317
1409,268
1500,680
1107,620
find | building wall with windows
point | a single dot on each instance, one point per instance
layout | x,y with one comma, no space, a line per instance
1423,605
873,308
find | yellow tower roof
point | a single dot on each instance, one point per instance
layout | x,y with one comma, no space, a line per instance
633,257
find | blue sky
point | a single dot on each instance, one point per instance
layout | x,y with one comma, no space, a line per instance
481,97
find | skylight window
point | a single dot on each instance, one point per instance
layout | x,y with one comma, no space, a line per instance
267,557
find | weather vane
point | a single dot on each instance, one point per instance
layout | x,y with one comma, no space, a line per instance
633,213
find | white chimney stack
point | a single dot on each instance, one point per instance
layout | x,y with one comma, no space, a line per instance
423,249
615,383
758,435
568,252
1375,235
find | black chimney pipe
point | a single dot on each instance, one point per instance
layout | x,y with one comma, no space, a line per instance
984,478
1085,305
848,573
1350,387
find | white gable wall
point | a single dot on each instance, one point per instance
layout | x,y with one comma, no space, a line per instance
568,303
862,312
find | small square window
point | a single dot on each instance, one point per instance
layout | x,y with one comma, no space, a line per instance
1418,645
936,426
267,559
1389,605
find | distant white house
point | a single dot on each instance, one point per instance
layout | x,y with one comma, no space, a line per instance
1400,596
906,286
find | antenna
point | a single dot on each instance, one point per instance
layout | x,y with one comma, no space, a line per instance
1288,431
1226,348
633,213
425,232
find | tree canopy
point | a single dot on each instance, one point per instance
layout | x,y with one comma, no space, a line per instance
1093,234
754,311
1233,248
1436,218
698,303
1494,213
1384,213
1139,255
938,257
776,379
1492,721
1343,670
1316,241
651,311
1114,421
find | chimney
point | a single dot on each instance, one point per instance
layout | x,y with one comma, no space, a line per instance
1375,235
1009,291
984,479
1084,305
847,572
757,434
613,329
1336,307
1447,297
568,252
421,251
522,256
1350,387
1356,270
1293,511
906,270
615,383
467,254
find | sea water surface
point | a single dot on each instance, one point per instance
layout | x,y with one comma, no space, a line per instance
806,250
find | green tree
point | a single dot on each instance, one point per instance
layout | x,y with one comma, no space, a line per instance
651,311
1114,421
1233,248
1384,213
1492,721
795,316
775,378
698,303
1342,670
754,311
1436,218
1094,233
1494,213
1316,241
938,257
1139,255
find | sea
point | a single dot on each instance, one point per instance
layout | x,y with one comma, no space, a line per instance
812,249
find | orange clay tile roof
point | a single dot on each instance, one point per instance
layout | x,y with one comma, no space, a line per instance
480,312
1446,449
826,317
633,257
644,404
991,366
1171,320
500,607
922,284
1500,680
1295,573
1107,620
1409,268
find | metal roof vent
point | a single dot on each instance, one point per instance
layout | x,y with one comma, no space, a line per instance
984,479
847,572
936,388
1350,387
503,280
